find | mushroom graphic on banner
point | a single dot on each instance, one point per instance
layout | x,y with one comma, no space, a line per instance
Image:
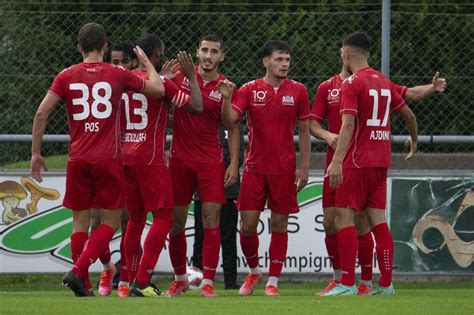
11,193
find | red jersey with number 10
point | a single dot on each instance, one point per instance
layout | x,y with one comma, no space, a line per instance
144,123
370,97
271,121
92,93
327,105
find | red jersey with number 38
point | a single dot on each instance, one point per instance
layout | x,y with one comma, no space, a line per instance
92,93
370,97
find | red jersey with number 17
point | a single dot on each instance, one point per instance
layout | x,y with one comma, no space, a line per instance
272,114
92,93
144,123
370,97
327,105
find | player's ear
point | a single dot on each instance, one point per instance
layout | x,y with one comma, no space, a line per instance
197,52
79,48
223,57
104,48
265,61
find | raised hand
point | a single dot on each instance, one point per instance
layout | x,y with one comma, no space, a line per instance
168,69
186,64
226,88
439,84
142,57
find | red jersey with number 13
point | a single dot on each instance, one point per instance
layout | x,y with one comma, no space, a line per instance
369,96
144,123
92,93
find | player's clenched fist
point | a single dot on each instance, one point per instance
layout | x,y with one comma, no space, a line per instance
226,88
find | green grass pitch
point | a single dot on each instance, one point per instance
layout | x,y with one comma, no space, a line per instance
38,294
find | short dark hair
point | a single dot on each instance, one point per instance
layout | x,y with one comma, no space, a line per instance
127,49
149,43
357,40
273,45
92,37
212,38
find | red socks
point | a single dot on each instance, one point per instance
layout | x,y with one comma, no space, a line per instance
133,249
347,247
123,258
178,250
97,244
154,243
105,257
366,255
210,252
277,252
333,253
249,246
78,241
384,249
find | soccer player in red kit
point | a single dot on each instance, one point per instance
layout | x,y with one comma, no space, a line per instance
361,160
326,106
274,105
92,92
197,162
120,54
148,182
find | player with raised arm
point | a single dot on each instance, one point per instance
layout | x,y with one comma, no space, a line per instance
326,106
91,91
196,162
148,182
361,160
274,105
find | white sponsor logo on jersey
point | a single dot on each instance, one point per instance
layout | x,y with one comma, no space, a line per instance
288,100
259,98
215,95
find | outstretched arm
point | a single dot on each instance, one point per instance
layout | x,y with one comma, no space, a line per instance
319,132
186,65
420,92
153,86
39,125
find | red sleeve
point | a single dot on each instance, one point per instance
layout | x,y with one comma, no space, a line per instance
320,106
401,89
57,87
131,81
397,101
174,95
349,98
303,105
240,103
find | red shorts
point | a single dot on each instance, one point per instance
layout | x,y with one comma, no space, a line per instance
329,194
208,178
279,189
97,184
148,188
362,188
